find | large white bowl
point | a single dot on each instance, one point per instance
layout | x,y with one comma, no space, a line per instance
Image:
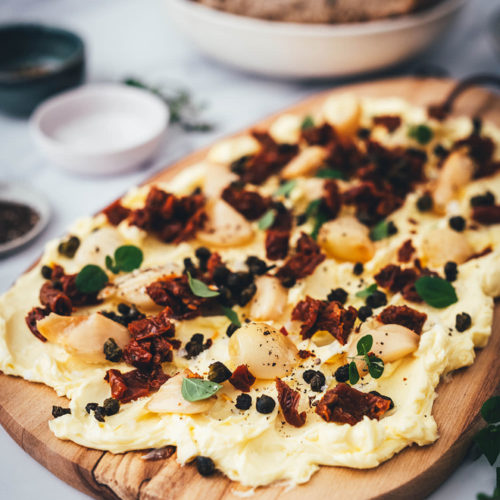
292,50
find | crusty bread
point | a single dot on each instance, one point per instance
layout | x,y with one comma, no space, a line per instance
319,11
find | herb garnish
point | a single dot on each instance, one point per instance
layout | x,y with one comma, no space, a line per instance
267,220
421,133
233,317
183,110
199,288
362,294
196,389
286,188
375,365
307,122
126,258
315,210
382,230
329,173
488,440
436,291
91,279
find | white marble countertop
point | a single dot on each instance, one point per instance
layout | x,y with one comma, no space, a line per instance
135,37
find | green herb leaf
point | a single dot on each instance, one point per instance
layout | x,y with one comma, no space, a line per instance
91,279
312,208
421,133
488,440
490,410
364,345
363,294
128,257
233,317
183,109
375,366
353,373
380,231
321,218
436,291
286,188
110,265
267,220
199,288
307,122
329,173
196,389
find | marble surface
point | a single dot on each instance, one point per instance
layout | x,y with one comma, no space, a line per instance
135,37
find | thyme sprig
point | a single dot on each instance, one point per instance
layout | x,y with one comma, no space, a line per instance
375,365
183,109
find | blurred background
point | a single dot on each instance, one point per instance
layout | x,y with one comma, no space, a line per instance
156,43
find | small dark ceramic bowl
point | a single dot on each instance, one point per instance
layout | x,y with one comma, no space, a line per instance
36,62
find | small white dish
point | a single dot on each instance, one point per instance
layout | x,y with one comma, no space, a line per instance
301,51
18,193
100,129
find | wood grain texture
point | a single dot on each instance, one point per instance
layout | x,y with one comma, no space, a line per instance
414,473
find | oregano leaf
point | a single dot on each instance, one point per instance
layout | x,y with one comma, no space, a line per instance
197,389
436,291
199,288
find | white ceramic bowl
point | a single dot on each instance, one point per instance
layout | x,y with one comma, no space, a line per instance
100,129
292,50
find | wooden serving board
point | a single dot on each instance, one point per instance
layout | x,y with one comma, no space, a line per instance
25,407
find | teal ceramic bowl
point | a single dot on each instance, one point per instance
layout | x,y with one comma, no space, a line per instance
37,61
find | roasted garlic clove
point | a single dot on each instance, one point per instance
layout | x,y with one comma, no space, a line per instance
390,343
94,247
225,226
266,351
441,245
343,113
345,238
83,336
305,163
216,179
456,172
131,287
270,299
169,399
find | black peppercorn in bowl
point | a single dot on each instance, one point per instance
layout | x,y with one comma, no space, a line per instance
37,61
24,214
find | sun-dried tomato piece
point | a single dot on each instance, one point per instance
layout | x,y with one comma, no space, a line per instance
67,284
332,199
322,135
153,326
36,314
277,243
372,204
304,354
390,122
250,204
481,150
171,218
135,384
404,316
396,279
405,251
55,299
346,405
242,379
116,213
268,161
317,315
288,400
486,214
174,292
306,258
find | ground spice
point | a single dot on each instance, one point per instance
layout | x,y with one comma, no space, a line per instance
16,219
